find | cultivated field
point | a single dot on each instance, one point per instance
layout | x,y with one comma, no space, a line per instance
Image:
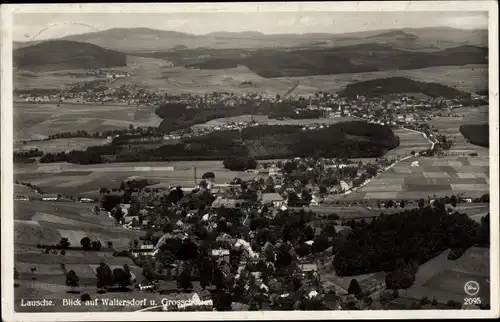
60,145
55,220
468,78
445,279
25,80
86,180
449,126
177,80
408,141
265,120
33,121
158,74
440,176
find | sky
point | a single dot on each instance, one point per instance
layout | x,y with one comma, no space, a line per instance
40,26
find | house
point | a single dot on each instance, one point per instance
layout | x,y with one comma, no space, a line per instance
274,171
226,203
308,268
221,253
273,199
132,220
145,250
315,201
50,197
124,207
87,200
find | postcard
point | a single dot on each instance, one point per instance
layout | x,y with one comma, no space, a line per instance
236,161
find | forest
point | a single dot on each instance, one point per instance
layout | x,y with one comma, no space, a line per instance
478,134
391,243
344,140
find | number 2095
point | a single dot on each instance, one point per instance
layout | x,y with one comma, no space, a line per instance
472,301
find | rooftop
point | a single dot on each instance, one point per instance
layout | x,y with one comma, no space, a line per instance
270,197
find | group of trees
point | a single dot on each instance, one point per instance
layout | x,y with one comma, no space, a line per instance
27,156
394,85
88,244
348,139
478,134
392,242
239,163
106,277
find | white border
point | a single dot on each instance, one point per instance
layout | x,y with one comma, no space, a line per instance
7,166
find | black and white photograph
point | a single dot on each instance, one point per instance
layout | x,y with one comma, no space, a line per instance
182,159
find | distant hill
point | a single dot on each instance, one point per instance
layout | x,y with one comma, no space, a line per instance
369,57
227,34
145,39
399,85
63,54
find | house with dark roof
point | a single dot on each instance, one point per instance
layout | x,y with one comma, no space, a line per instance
272,199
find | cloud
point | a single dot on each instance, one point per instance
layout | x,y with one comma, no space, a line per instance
468,22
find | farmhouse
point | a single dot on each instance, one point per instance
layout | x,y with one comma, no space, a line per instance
87,200
50,197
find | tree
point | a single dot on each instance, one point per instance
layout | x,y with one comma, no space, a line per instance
402,204
208,175
72,280
453,200
86,243
85,298
389,203
184,280
371,171
64,243
110,244
96,245
104,276
136,243
309,233
354,287
306,196
421,203
122,277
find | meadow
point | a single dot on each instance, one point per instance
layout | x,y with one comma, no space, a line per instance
44,222
86,180
444,279
36,121
435,176
160,75
60,145
157,74
408,141
449,126
265,120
